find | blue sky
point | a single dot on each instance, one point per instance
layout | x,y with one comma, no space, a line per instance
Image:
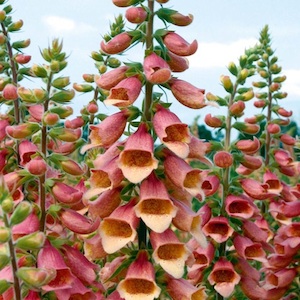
223,30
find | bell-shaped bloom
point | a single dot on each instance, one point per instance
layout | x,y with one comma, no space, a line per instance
26,149
3,125
105,203
66,194
223,277
124,93
110,79
218,228
136,15
273,182
77,262
248,249
283,157
119,228
156,69
36,112
187,94
254,232
180,289
252,289
117,44
78,223
198,149
169,252
171,131
108,131
50,258
93,248
210,184
155,207
110,154
177,63
139,282
137,160
189,221
178,45
248,146
183,175
279,279
240,206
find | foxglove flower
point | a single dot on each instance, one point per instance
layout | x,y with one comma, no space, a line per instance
155,207
124,93
240,206
66,194
137,160
156,69
139,282
136,15
171,131
117,44
3,125
248,146
177,63
26,149
223,277
169,252
119,228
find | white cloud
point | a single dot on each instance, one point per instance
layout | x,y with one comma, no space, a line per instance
292,83
62,25
215,55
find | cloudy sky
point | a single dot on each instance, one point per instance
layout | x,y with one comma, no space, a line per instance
223,30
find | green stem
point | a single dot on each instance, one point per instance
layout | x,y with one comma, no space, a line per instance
14,265
142,231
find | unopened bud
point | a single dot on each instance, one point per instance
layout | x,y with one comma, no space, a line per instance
233,68
4,260
62,111
63,96
10,92
36,277
83,88
39,71
280,95
2,39
113,62
279,79
223,159
4,234
7,9
275,69
21,44
2,15
214,121
287,139
71,167
33,241
263,74
237,108
37,166
260,103
97,56
88,78
227,83
248,95
261,64
246,127
92,107
7,205
273,128
15,26
61,82
4,286
20,213
22,59
50,119
243,75
259,84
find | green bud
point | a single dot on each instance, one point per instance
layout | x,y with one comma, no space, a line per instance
259,84
269,51
15,26
243,75
227,83
279,79
8,9
62,111
4,234
83,88
243,61
275,69
46,54
39,71
233,68
274,60
263,74
7,205
261,95
20,213
4,260
280,95
61,82
54,66
36,277
113,62
265,56
97,56
261,64
4,286
63,96
33,241
2,16
21,44
102,69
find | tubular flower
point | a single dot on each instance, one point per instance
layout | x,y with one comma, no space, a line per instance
279,279
110,79
108,131
66,194
218,229
22,131
248,249
50,258
136,15
171,131
156,69
223,277
210,184
119,228
137,160
240,206
169,252
3,125
139,282
155,207
178,45
252,162
198,149
117,44
37,166
26,149
183,175
248,146
177,63
93,248
213,121
124,93
187,94
180,289
189,221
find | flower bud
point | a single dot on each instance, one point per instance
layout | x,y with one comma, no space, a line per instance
273,128
2,39
176,44
259,84
248,146
21,44
215,122
136,15
174,17
7,205
227,83
63,96
4,286
71,167
280,95
177,63
124,3
223,159
20,213
2,15
88,78
279,79
37,166
22,58
36,277
237,108
92,107
287,139
244,73
83,88
255,119
78,122
62,111
23,130
39,71
33,241
117,44
283,112
10,92
233,68
260,104
61,82
65,134
4,260
246,127
97,56
275,86
15,26
275,69
248,95
4,234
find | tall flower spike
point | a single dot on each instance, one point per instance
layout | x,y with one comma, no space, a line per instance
169,252
155,207
119,228
139,282
137,160
171,131
124,93
156,69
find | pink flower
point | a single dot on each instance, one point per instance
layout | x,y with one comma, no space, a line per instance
155,207
93,248
280,279
249,146
210,184
3,125
37,166
156,69
176,44
10,92
223,159
218,228
66,194
117,44
119,228
187,94
177,63
110,79
137,160
26,149
124,3
171,131
136,15
139,282
169,252
223,277
240,206
23,130
124,93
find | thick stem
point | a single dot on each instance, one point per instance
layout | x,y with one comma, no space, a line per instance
14,265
